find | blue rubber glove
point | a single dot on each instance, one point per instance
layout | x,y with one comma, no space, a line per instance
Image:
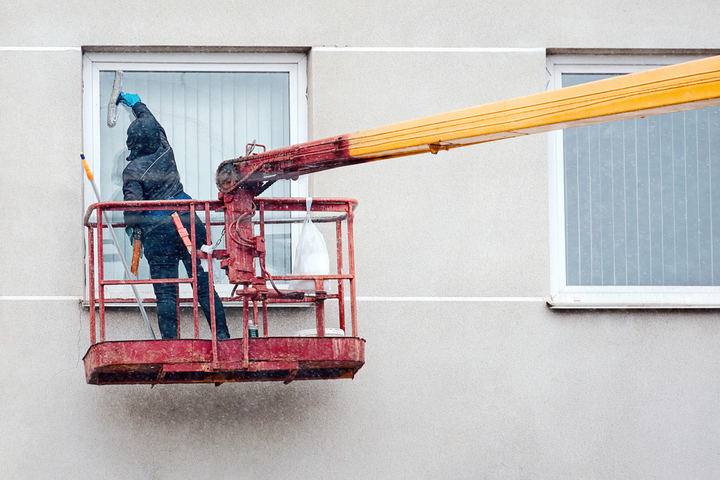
128,99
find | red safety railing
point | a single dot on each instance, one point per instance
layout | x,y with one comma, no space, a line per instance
256,297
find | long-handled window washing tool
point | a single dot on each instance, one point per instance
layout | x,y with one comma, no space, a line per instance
113,111
117,246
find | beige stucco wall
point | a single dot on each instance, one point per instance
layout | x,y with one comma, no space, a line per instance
399,23
417,233
491,390
40,134
488,388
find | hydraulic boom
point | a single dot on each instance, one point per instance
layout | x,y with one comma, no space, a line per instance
675,88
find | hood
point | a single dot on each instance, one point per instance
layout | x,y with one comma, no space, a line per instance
143,137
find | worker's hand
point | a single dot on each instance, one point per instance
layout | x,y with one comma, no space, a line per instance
129,99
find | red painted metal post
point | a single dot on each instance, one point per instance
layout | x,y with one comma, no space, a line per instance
211,279
246,334
195,276
194,273
101,273
265,318
341,286
261,215
351,257
177,308
255,316
320,307
91,283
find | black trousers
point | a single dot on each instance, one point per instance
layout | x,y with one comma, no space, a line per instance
164,251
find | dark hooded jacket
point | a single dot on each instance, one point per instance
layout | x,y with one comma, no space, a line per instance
152,173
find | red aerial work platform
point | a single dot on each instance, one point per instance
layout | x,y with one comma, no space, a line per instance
265,358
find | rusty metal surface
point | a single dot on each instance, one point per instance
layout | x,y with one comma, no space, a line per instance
191,361
285,162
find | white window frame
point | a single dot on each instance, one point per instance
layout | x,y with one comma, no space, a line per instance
571,296
295,64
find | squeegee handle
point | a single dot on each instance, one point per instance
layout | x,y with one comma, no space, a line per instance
89,174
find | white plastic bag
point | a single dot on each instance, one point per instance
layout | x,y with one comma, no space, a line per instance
217,269
311,256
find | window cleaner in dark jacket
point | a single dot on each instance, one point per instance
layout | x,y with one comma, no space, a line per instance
153,175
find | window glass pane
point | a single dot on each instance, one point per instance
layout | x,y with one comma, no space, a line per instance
571,79
642,199
209,117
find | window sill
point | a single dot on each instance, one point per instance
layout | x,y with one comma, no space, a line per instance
636,298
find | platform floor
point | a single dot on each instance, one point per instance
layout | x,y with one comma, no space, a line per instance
191,361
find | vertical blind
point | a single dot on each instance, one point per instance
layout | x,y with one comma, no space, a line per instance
642,199
209,117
